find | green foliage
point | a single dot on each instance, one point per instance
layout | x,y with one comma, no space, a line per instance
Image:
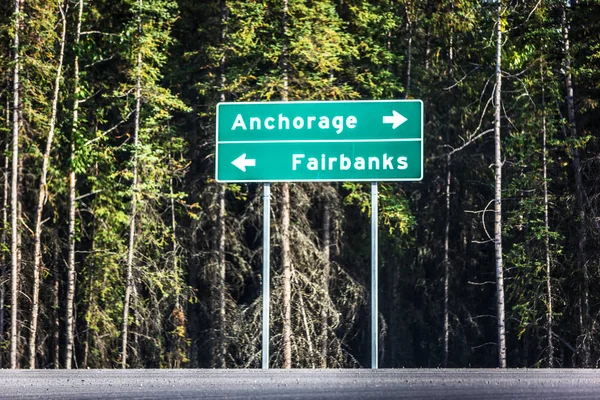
193,54
394,210
375,26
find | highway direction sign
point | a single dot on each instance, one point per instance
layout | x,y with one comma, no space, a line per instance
370,140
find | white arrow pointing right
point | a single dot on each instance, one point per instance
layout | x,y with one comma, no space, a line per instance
396,119
242,162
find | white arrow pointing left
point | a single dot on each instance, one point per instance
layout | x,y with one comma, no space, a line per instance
242,162
396,119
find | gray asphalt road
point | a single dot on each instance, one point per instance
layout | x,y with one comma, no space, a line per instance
300,384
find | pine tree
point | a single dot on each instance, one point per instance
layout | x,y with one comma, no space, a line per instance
150,183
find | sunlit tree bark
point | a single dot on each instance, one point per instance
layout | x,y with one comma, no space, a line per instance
134,200
285,218
14,199
43,195
498,195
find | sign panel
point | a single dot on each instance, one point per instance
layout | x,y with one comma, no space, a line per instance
369,140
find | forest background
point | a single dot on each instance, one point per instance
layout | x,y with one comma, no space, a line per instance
118,248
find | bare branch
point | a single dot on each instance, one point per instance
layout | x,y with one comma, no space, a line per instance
486,106
461,79
508,119
483,345
109,130
481,283
533,10
483,219
563,341
98,33
89,97
83,196
27,226
99,61
468,142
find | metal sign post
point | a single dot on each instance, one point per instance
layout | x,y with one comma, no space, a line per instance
266,273
374,286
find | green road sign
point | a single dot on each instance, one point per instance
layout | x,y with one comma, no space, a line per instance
371,140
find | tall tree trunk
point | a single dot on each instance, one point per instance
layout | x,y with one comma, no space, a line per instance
580,196
326,277
90,299
427,47
42,196
285,219
221,346
70,307
498,196
176,355
409,30
311,356
134,198
287,276
3,255
14,199
70,320
56,308
546,226
446,329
